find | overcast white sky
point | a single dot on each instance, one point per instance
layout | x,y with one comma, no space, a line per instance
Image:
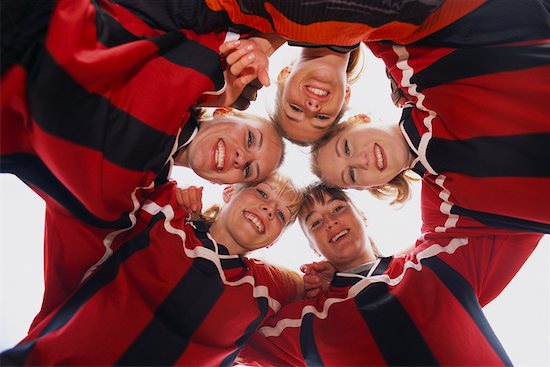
519,316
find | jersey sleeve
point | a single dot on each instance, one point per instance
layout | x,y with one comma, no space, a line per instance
345,23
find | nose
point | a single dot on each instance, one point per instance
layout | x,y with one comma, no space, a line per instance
239,159
313,105
332,222
360,160
268,209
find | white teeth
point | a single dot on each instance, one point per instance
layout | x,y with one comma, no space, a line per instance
339,235
254,219
317,91
220,155
379,158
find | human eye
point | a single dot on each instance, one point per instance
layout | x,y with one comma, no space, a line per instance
250,139
295,108
281,215
346,147
247,170
339,208
315,223
352,174
261,193
322,117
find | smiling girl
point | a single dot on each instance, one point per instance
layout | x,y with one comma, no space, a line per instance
174,292
312,93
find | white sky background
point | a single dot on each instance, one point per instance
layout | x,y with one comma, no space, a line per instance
519,316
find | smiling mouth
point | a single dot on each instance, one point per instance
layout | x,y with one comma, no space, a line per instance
220,155
256,221
317,91
339,235
380,162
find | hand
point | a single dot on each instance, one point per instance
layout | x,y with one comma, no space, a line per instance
190,199
246,60
317,277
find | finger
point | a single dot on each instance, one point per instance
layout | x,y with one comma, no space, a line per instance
245,79
192,198
245,62
263,76
312,293
304,268
185,200
198,199
228,46
239,53
179,198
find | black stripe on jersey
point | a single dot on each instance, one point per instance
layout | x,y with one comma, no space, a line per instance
374,13
310,353
471,62
176,48
167,336
105,275
251,328
24,24
31,170
526,155
398,339
495,22
463,292
502,221
65,109
173,46
108,31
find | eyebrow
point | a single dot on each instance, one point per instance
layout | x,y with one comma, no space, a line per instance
313,211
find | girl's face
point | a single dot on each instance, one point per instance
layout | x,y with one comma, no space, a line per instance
254,217
231,150
336,229
363,156
314,93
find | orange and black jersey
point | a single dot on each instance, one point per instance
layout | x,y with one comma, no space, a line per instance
345,23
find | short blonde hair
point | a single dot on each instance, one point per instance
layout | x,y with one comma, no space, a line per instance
398,189
282,185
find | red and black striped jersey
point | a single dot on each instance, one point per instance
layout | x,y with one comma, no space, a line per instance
478,124
345,23
168,295
423,308
96,104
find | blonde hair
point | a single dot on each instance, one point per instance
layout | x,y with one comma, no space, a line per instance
354,70
398,189
282,185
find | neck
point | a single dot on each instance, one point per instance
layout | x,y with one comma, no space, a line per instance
181,158
410,156
220,234
325,54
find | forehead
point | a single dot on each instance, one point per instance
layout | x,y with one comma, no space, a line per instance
331,166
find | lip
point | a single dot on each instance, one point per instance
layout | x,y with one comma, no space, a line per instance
310,94
334,233
247,214
375,159
213,155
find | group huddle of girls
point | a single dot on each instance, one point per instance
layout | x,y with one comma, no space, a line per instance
100,99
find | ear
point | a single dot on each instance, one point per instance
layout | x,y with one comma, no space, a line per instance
283,74
222,111
348,94
227,193
359,118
